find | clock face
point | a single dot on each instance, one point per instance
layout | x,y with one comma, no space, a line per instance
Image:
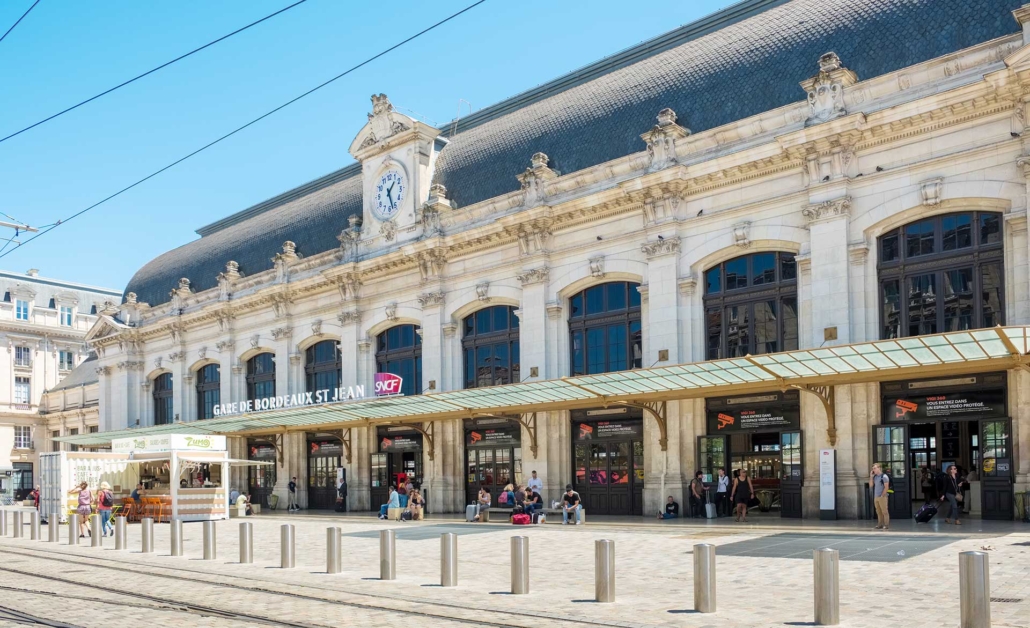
390,190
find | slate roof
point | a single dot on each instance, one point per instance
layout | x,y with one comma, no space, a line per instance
737,63
82,375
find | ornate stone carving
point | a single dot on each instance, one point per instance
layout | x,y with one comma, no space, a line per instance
282,332
316,328
483,291
103,370
225,319
388,230
431,264
687,286
826,90
364,345
533,236
661,246
283,260
349,239
157,362
931,191
179,295
431,299
661,140
224,345
227,280
532,275
295,358
858,253
176,329
449,330
176,356
202,353
130,298
383,121
130,365
281,303
431,212
534,179
255,341
596,266
553,310
828,210
741,231
391,311
348,285
658,210
350,317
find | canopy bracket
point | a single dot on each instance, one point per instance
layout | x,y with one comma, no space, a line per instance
657,409
825,395
345,438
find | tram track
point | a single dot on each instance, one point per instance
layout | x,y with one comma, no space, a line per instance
194,577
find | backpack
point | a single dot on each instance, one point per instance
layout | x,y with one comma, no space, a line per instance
890,484
105,499
502,498
520,520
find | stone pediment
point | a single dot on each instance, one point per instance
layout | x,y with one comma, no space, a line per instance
385,129
105,327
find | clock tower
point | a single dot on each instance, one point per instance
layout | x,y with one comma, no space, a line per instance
397,155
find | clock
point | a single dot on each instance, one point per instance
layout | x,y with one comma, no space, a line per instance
390,191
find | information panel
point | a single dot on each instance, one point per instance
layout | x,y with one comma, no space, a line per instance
975,404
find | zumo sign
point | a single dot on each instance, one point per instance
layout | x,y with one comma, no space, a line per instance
386,384
169,442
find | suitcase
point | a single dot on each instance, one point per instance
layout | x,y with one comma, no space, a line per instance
470,513
710,512
538,517
406,515
926,512
521,519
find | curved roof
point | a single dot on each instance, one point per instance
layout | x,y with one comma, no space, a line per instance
734,64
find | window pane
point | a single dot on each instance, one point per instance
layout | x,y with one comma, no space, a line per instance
990,294
736,273
765,327
958,299
595,300
484,366
620,463
713,318
616,296
500,315
516,373
634,294
763,268
577,353
483,325
407,336
595,350
889,251
990,229
576,305
636,341
598,464
502,372
957,232
617,348
736,331
581,464
919,238
513,321
922,305
789,314
468,328
393,338
788,267
713,280
891,310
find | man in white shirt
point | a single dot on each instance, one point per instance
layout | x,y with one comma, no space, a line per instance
722,500
536,484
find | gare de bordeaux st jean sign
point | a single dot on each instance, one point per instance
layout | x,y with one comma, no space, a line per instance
386,385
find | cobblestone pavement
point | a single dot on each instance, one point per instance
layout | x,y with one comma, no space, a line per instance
86,586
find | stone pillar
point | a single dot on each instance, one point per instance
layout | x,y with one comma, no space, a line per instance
830,287
451,377
662,324
432,340
225,373
533,324
350,324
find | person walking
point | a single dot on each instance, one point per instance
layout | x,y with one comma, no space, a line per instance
722,494
741,493
105,502
952,494
85,508
292,503
880,482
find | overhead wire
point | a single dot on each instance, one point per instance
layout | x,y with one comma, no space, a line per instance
43,232
148,72
29,10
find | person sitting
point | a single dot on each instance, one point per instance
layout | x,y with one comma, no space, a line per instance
482,503
137,492
520,496
233,496
243,500
570,503
672,509
533,502
416,504
393,502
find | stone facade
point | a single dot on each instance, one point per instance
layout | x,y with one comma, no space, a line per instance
822,178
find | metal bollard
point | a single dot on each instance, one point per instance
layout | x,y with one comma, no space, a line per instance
147,545
287,555
333,550
121,533
96,532
387,555
3,523
73,529
210,541
176,537
604,571
974,583
704,578
17,524
827,586
448,559
519,565
34,529
53,526
246,543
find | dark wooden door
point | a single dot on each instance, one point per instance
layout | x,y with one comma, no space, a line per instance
890,450
491,468
792,452
609,477
996,471
322,482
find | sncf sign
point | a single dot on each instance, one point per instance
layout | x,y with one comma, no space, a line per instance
387,384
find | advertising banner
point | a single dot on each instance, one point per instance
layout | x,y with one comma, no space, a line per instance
168,442
502,437
608,430
744,419
975,404
324,447
397,442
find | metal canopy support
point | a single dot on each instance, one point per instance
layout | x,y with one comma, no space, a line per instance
345,438
657,409
826,395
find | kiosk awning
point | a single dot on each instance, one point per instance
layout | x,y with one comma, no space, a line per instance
811,370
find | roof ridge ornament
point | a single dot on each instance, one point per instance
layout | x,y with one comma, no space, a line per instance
826,90
382,121
535,178
661,140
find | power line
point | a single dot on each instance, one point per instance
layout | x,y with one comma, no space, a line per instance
238,129
19,20
149,72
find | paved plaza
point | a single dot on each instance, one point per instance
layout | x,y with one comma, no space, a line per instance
764,576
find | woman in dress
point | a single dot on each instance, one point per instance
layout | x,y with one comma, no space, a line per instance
85,508
415,504
741,493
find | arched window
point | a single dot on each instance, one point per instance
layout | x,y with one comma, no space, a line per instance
604,328
399,351
261,376
322,364
163,399
751,306
941,274
209,394
490,338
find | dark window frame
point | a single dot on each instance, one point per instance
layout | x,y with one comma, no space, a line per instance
781,290
316,367
474,340
209,390
387,354
261,376
582,324
894,275
162,393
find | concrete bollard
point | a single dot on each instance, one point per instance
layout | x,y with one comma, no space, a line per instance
387,555
53,526
34,527
333,550
147,543
827,586
73,529
210,541
448,559
3,523
176,537
974,583
704,578
121,533
18,524
519,565
246,543
287,553
96,531
604,571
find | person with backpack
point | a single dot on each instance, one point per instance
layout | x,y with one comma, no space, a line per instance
105,502
85,507
292,504
880,483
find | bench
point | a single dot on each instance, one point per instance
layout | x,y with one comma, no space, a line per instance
554,515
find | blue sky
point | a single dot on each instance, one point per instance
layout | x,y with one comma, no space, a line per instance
65,51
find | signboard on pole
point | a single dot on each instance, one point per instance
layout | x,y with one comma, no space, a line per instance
828,484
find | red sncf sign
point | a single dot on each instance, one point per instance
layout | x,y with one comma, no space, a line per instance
388,384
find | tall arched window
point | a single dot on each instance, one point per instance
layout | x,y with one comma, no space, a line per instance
751,306
261,376
209,394
399,351
490,338
163,399
941,274
604,328
322,364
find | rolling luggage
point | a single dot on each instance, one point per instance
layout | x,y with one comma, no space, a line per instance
406,515
538,517
520,519
710,512
470,513
926,512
